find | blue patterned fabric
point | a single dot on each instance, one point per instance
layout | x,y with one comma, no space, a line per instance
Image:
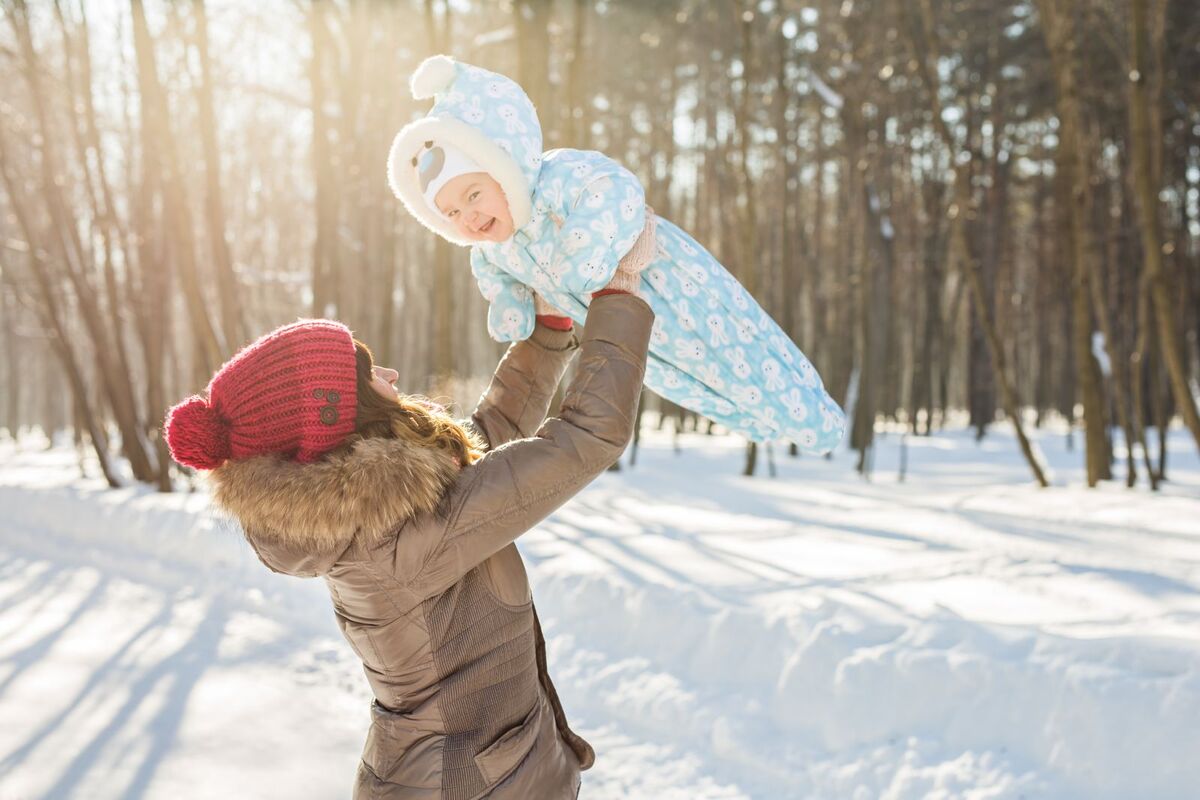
713,349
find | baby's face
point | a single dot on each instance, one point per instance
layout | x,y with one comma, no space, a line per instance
476,205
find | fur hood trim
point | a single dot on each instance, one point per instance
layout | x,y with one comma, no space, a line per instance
320,507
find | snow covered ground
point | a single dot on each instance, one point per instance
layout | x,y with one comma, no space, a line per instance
961,634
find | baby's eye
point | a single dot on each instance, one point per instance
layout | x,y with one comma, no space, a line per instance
473,196
451,214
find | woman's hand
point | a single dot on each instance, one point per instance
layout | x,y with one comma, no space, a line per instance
544,308
549,315
628,277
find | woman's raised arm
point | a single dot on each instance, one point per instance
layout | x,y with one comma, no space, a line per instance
516,401
509,491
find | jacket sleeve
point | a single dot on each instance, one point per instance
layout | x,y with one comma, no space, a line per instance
510,302
514,487
515,402
604,212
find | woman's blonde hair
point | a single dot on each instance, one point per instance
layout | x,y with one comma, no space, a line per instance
414,418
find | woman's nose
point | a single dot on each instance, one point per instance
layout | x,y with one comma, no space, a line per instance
389,375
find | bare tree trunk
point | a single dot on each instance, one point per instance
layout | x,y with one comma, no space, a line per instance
981,392
51,313
161,148
9,306
532,18
932,280
442,329
232,317
576,130
1160,410
966,260
790,267
747,252
104,206
874,279
1073,162
325,298
64,238
1137,363
388,209
1117,365
149,296
1145,181
811,330
751,462
877,289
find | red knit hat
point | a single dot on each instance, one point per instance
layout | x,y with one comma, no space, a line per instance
293,392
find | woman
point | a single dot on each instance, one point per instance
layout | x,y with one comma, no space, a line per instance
410,518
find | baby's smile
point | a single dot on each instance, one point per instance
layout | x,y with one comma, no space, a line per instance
475,204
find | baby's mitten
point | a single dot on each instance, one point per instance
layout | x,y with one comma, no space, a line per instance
511,313
510,303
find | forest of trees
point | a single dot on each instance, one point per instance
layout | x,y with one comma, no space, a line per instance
990,206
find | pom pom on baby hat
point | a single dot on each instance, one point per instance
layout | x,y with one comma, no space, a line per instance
435,74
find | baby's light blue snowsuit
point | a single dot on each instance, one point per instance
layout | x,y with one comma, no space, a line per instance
713,349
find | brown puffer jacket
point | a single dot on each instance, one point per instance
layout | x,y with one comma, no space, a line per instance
426,582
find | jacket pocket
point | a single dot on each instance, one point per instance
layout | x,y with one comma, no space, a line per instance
504,575
401,753
504,755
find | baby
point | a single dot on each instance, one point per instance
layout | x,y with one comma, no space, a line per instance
565,223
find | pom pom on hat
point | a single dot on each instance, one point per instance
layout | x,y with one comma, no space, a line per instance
196,436
435,74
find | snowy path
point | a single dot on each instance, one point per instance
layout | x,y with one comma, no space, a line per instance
958,635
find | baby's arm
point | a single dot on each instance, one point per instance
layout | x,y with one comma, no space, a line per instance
603,213
510,302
